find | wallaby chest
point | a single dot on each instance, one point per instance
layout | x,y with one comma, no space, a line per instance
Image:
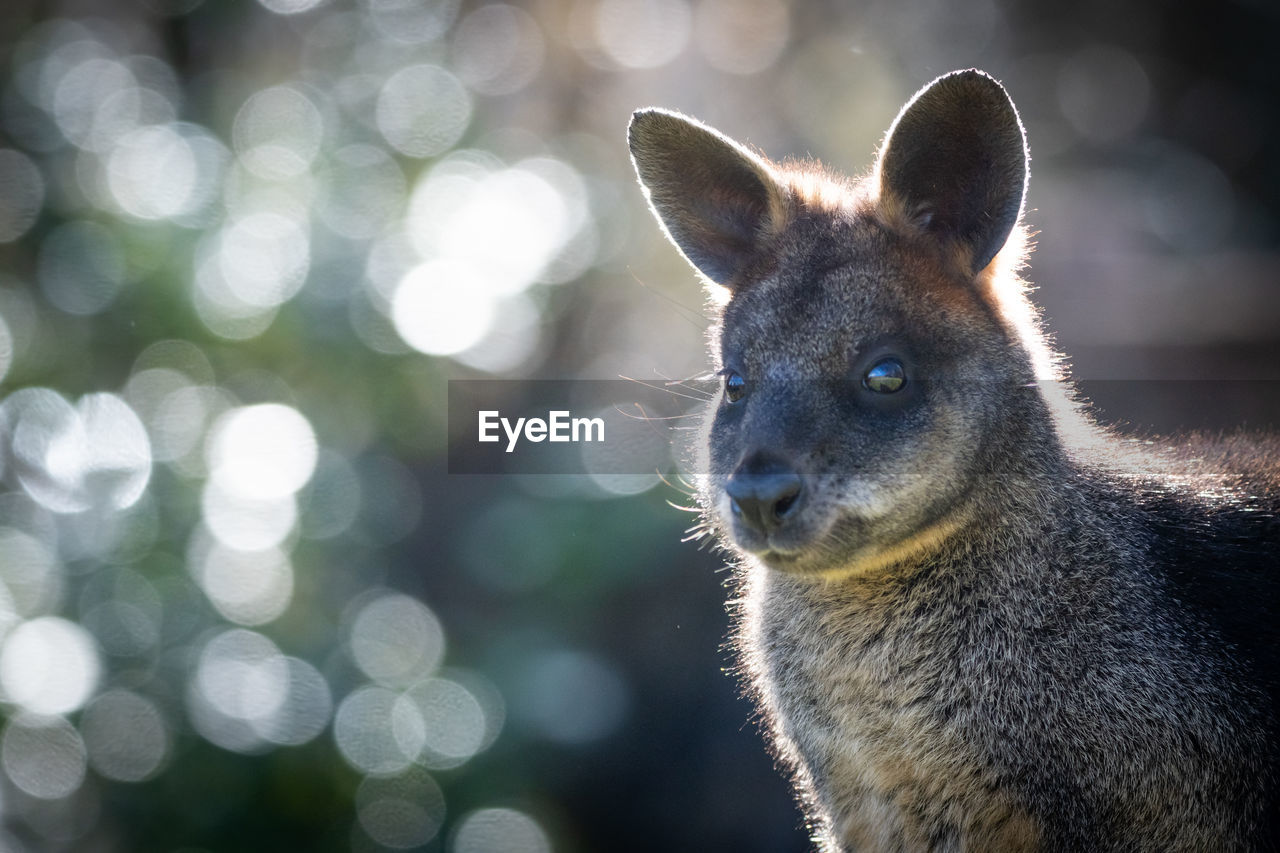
979,708
868,690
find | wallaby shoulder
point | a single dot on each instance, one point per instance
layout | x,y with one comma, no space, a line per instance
1213,540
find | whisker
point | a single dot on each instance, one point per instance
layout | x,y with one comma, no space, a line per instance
683,486
667,389
693,316
650,418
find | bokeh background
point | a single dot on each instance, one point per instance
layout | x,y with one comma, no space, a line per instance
243,247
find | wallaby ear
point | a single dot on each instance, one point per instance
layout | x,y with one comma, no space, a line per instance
956,159
714,198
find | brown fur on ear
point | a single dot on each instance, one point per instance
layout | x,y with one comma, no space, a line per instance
715,199
954,163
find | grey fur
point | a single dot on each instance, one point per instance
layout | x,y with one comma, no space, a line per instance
984,624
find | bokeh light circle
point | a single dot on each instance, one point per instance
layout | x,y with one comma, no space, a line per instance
264,258
247,524
261,452
126,735
117,466
363,729
94,100
441,722
278,132
412,21
442,307
6,353
243,675
423,111
396,640
1103,92
153,173
43,756
499,830
21,194
643,33
248,697
49,665
290,7
246,587
403,811
304,713
71,458
498,49
32,576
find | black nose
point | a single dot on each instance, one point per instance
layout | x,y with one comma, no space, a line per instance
764,492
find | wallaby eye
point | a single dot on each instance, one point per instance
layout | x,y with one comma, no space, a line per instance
885,376
735,387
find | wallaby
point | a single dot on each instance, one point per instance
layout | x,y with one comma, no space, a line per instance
971,618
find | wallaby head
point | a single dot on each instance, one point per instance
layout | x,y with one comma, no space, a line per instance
873,338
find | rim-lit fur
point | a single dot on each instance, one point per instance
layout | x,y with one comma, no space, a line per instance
972,620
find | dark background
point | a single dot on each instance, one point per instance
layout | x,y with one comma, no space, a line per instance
226,222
